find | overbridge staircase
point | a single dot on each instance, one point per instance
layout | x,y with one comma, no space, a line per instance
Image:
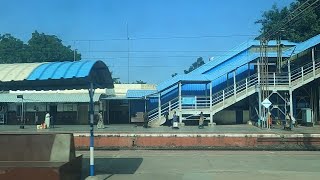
240,90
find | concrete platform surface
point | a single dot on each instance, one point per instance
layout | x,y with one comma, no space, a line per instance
224,137
246,129
204,165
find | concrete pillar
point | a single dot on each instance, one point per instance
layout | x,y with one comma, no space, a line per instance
291,104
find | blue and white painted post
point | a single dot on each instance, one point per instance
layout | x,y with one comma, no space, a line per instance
91,93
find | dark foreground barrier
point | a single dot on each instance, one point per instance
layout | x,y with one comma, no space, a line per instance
39,156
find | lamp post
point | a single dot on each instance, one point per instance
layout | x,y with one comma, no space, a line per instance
22,111
74,54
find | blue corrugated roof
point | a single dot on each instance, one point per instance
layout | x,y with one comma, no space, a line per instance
139,93
62,70
186,78
306,44
235,51
56,75
215,73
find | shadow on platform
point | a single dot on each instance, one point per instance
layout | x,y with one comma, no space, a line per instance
111,166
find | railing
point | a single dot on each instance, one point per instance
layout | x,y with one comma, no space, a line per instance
166,107
302,72
242,87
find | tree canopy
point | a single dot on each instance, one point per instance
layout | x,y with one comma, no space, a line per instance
195,65
40,48
300,29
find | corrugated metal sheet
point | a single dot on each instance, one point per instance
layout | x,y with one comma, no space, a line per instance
215,73
306,44
62,70
139,93
235,51
49,97
16,72
55,75
185,78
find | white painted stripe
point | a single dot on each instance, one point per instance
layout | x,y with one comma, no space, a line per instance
91,156
198,135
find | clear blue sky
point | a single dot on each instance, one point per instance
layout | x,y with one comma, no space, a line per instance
166,36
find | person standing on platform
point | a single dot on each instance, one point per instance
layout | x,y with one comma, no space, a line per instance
47,120
100,124
175,121
201,120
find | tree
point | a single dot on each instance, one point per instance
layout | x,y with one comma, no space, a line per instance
12,50
300,29
174,74
40,48
49,48
140,82
195,65
116,80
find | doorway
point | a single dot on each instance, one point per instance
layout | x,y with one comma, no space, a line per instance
53,113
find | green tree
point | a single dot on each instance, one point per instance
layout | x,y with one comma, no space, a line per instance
12,50
140,82
49,48
300,29
40,48
195,65
174,74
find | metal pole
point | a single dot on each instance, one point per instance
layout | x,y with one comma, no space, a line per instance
313,63
289,72
211,113
128,52
234,86
22,114
180,103
159,106
91,93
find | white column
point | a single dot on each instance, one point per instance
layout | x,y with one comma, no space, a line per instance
289,72
180,103
291,103
246,86
259,75
313,63
274,79
223,97
196,102
234,85
302,74
159,106
211,113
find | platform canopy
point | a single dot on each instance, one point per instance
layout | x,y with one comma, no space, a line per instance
55,75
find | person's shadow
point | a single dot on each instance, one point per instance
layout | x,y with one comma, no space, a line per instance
111,166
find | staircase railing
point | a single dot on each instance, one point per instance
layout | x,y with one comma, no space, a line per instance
271,80
166,107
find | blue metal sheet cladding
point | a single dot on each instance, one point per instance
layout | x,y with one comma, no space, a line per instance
307,44
235,51
139,93
62,70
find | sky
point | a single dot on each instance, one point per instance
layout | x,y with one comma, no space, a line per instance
146,40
